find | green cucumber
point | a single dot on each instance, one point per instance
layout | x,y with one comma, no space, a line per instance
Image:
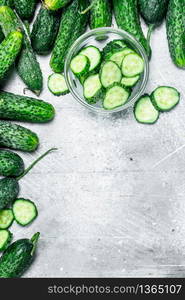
11,164
6,218
100,13
57,84
72,25
18,257
27,66
80,65
110,73
153,11
93,91
21,108
116,95
24,211
94,56
132,65
165,98
144,111
5,239
130,81
44,32
56,4
25,8
9,3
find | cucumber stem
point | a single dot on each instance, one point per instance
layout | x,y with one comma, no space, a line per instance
87,9
35,162
34,241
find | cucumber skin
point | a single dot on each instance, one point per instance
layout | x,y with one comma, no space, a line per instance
11,164
56,4
100,14
175,31
25,8
72,25
27,66
9,190
44,32
7,243
21,108
9,3
153,11
9,49
17,137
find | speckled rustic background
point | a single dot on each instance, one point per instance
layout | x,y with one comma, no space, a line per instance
111,200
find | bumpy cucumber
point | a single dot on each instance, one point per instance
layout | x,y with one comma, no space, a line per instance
27,66
72,25
44,32
5,239
153,11
9,3
56,4
20,108
11,164
100,13
18,257
25,8
9,190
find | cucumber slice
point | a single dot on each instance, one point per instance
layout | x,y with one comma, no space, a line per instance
110,73
165,98
80,65
130,81
115,96
132,65
92,89
118,56
57,84
25,211
5,239
6,218
144,111
94,56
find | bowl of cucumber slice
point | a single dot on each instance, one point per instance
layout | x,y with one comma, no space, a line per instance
106,70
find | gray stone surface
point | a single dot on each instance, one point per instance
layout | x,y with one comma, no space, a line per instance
111,200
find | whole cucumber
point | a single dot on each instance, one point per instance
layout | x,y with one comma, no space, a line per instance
9,3
21,108
100,13
72,25
56,4
25,8
44,32
11,164
17,258
9,190
175,24
153,11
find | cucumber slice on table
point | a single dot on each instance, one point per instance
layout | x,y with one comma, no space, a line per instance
144,111
80,65
5,239
25,211
110,73
115,96
57,84
92,89
165,98
6,218
94,56
132,65
130,81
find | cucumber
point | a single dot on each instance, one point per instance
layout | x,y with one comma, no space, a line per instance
5,239
100,13
110,73
130,81
93,89
56,4
118,56
25,8
80,65
94,56
115,96
1,35
9,3
57,84
132,65
153,11
11,164
175,31
165,98
44,32
9,49
27,66
18,257
144,111
24,211
72,25
113,47
127,18
6,218
21,108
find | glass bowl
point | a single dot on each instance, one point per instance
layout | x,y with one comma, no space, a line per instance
99,38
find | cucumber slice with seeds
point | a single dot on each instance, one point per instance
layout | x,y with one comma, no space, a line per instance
93,89
110,73
132,65
144,111
6,218
57,84
118,56
5,239
165,98
80,65
130,81
94,56
115,96
24,211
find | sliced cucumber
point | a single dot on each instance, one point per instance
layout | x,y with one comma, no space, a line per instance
24,211
144,111
165,98
6,218
92,89
57,84
115,96
80,65
132,65
110,73
5,239
94,56
130,81
118,56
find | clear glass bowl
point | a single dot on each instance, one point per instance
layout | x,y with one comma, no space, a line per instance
99,38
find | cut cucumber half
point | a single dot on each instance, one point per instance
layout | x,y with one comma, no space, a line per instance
57,84
94,56
80,65
132,65
144,111
165,98
130,81
5,239
110,73
6,218
25,211
115,96
92,89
